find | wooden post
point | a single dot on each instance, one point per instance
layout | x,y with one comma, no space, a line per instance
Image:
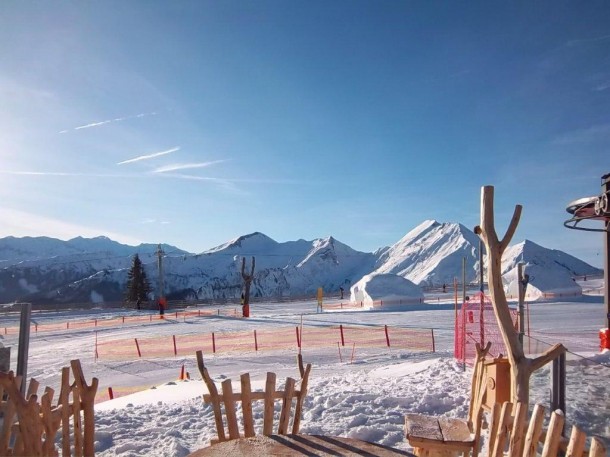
341,331
521,367
175,347
138,347
558,393
522,283
387,336
247,283
87,401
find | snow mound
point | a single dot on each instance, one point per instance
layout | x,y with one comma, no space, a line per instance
391,289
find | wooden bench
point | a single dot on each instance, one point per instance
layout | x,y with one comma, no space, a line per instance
433,436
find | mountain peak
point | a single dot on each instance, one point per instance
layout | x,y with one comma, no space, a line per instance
254,242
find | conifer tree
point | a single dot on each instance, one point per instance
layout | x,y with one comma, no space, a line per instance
138,286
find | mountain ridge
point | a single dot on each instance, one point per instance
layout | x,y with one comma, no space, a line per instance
432,253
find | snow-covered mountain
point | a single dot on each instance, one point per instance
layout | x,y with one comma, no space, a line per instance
15,250
95,270
432,254
550,271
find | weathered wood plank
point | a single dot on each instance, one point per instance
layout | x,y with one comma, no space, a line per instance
534,430
286,407
517,437
553,434
576,445
421,427
212,398
301,394
597,448
246,405
230,411
269,404
502,430
455,430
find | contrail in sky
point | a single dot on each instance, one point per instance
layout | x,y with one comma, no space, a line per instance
118,119
186,166
149,156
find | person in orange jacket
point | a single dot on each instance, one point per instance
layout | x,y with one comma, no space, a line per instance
162,306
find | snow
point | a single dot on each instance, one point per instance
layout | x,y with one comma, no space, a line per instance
43,270
393,290
365,397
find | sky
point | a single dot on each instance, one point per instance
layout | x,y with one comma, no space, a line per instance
192,123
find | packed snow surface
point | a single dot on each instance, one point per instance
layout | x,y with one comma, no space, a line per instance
365,394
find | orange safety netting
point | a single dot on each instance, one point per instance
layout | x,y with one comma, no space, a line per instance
477,324
120,321
279,338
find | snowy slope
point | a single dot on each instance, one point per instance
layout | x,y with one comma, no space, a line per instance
550,271
432,253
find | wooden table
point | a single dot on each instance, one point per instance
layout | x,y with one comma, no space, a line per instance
438,436
290,445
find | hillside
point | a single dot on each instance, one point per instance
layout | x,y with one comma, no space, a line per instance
95,270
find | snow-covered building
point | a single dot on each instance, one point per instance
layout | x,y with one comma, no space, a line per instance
391,289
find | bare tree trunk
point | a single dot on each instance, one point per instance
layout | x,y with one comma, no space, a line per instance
521,367
247,282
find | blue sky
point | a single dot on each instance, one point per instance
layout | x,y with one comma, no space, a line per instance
192,123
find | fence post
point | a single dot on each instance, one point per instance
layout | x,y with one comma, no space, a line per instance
342,338
110,393
255,342
387,336
213,343
298,337
433,343
175,347
138,347
97,356
67,325
558,394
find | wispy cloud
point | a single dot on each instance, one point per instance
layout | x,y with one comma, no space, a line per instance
602,87
588,40
186,166
149,156
108,121
586,135
59,173
153,221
